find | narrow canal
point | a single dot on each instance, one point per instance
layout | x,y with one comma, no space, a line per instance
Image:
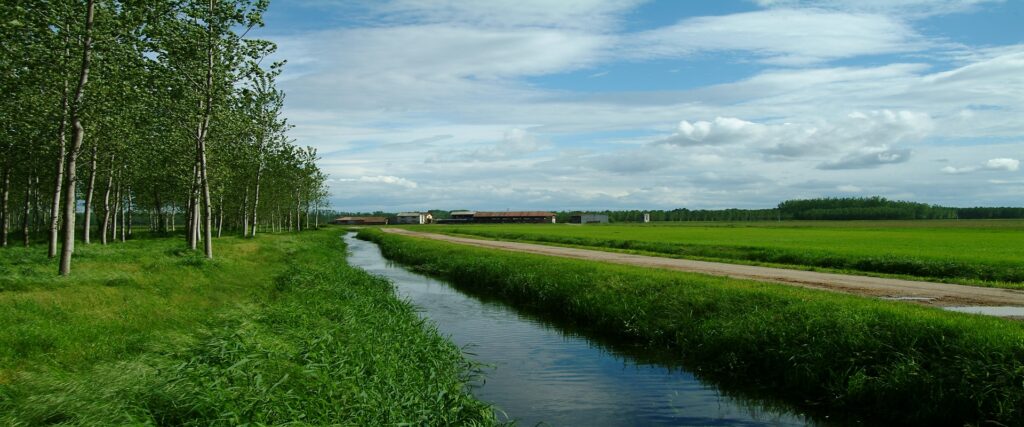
541,374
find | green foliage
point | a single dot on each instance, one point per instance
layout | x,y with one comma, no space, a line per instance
846,209
833,354
277,331
964,251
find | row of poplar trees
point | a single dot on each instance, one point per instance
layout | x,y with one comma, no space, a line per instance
122,112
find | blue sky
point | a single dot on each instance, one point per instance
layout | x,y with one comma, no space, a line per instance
591,104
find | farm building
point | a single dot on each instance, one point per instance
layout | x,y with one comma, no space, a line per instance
414,218
513,217
458,217
360,220
589,219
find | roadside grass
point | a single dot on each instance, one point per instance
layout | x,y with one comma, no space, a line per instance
277,330
980,253
831,354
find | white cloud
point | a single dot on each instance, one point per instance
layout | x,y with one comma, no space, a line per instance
590,15
785,36
913,8
868,158
515,144
864,138
1004,164
383,179
455,82
1000,164
849,189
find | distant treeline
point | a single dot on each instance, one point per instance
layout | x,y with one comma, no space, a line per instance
849,208
846,208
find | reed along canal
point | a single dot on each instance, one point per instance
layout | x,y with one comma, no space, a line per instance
538,372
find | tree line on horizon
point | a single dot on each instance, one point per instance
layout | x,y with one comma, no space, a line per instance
828,208
118,109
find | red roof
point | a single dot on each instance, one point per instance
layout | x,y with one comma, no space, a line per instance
528,214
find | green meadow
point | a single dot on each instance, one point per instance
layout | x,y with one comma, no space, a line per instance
979,252
834,355
276,330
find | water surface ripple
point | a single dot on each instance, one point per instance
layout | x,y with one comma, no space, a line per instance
539,374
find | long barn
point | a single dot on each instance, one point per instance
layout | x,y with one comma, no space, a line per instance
533,217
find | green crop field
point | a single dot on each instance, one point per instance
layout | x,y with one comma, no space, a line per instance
981,252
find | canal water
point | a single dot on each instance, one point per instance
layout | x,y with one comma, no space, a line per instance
540,374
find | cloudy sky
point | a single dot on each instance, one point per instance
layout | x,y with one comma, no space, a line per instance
593,104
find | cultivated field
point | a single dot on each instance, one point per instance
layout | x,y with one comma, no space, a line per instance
980,252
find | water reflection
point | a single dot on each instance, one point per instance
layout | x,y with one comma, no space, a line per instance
540,374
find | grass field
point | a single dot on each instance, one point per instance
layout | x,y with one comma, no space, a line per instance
981,252
275,330
837,355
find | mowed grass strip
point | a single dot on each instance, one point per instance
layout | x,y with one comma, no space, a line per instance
832,354
975,252
277,330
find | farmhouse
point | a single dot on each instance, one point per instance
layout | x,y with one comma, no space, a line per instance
514,217
414,218
360,220
588,219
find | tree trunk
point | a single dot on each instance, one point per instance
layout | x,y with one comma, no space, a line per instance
105,225
191,229
204,127
26,218
245,213
298,212
37,207
256,196
128,210
5,215
220,219
88,198
68,245
59,180
116,208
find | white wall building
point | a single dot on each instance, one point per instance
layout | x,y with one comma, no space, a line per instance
415,218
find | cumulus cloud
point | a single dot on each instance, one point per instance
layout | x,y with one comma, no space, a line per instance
864,137
868,158
1000,164
383,179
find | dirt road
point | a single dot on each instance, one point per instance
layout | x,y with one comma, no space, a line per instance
928,293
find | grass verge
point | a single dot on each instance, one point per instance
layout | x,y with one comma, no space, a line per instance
277,330
831,354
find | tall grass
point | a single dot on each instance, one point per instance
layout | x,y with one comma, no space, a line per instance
276,331
833,354
990,255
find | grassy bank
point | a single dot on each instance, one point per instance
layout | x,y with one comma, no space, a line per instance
832,354
276,330
971,252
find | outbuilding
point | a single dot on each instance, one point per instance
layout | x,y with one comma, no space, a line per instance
414,218
360,220
532,217
588,219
